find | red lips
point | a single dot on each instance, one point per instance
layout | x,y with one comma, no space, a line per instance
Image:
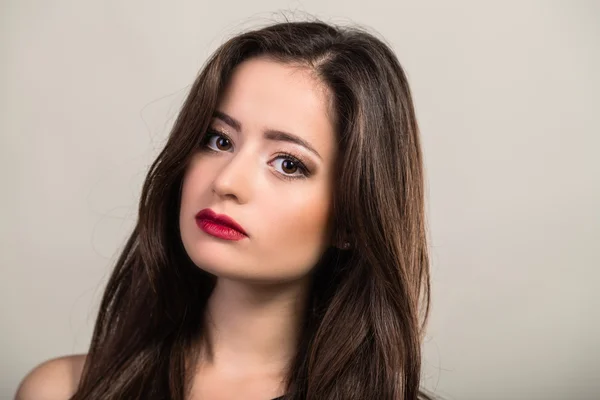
209,217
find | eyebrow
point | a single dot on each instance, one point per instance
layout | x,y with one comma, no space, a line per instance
269,134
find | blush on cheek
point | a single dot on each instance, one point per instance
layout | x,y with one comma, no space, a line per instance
298,246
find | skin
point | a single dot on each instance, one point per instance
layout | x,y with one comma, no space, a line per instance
253,314
286,221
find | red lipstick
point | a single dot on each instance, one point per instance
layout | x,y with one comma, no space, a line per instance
219,225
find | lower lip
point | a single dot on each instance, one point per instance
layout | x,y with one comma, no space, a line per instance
219,231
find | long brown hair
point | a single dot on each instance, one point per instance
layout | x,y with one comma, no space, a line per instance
362,331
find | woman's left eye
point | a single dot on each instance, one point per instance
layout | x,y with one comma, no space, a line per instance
290,167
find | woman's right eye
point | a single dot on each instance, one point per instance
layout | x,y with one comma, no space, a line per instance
217,141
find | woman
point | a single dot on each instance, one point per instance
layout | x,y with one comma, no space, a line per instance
280,247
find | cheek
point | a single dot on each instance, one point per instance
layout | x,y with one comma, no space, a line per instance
196,182
295,234
193,193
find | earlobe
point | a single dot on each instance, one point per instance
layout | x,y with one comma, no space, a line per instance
343,243
341,239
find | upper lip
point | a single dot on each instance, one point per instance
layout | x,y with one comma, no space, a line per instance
220,219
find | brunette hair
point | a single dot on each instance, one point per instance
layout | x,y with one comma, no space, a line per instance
362,331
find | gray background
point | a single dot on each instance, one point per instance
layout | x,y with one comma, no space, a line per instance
507,96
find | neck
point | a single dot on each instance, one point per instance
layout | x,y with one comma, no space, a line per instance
253,326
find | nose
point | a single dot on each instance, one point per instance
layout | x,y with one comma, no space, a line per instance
234,180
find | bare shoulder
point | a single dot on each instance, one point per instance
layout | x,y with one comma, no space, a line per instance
54,379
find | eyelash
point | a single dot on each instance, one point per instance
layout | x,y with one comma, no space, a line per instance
296,159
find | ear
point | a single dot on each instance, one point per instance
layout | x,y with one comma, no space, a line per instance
342,241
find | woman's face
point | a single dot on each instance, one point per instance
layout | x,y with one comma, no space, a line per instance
244,170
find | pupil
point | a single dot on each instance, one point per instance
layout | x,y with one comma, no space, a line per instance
222,142
289,166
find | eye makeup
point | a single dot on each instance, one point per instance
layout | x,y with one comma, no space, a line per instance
299,161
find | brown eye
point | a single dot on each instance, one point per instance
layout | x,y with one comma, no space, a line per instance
223,143
218,142
289,166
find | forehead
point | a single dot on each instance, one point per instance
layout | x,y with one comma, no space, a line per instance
263,93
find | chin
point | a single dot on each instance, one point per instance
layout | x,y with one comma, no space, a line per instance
240,275
218,260
249,273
